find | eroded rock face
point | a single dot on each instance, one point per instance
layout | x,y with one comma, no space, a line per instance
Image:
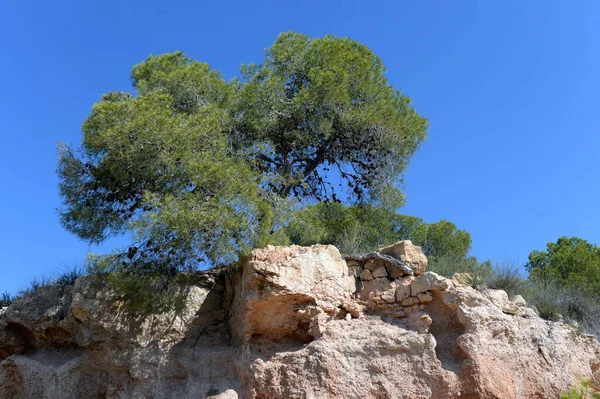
84,343
294,322
283,292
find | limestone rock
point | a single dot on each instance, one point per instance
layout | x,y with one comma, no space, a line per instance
373,264
519,300
82,342
409,301
288,325
375,260
463,278
351,284
425,297
403,288
500,299
389,296
410,254
366,275
380,272
280,290
354,269
228,394
429,281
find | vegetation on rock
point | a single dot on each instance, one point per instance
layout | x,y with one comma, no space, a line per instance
587,389
364,228
194,167
197,169
5,299
570,262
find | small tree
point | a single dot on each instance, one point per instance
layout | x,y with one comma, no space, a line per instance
441,239
571,262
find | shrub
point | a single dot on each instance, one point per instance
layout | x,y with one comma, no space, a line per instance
585,390
148,289
5,299
35,284
66,277
352,240
506,276
69,275
449,265
544,302
552,301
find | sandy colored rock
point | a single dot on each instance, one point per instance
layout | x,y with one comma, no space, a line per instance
287,325
281,289
354,270
228,394
409,301
351,284
403,288
82,342
429,281
519,300
410,254
389,296
366,275
500,299
372,264
380,272
425,297
463,278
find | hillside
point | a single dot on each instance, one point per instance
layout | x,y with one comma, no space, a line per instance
293,322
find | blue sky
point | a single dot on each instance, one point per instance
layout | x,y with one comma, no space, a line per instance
510,89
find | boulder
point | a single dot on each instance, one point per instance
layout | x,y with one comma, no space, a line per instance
403,288
366,275
429,281
500,299
281,290
409,254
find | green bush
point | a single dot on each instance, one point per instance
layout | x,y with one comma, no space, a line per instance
353,229
553,301
544,302
585,390
570,262
5,299
449,265
506,276
364,228
35,284
147,288
68,275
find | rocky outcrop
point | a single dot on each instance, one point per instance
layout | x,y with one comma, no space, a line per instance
293,322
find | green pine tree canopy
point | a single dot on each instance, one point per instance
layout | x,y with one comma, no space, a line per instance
193,167
571,262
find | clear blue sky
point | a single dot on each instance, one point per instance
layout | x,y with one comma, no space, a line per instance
510,89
